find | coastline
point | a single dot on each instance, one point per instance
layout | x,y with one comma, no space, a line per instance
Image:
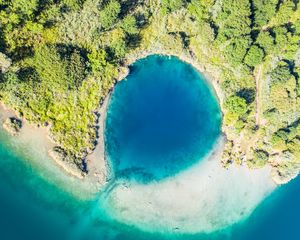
38,139
211,77
185,57
98,166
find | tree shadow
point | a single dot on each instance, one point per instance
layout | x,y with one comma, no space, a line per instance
248,94
28,74
128,6
133,40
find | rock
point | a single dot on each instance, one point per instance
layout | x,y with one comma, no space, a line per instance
284,174
13,125
123,72
5,62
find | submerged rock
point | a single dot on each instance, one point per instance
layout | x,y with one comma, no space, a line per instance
13,125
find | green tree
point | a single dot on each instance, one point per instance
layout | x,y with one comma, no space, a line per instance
254,56
236,105
260,158
24,7
109,14
281,73
119,48
200,9
76,69
97,60
286,9
129,24
264,10
266,41
234,19
171,5
237,49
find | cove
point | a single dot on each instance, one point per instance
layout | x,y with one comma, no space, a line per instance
163,118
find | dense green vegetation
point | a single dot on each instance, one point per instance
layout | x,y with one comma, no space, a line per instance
60,58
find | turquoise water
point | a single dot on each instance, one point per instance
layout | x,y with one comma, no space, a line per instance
32,206
161,119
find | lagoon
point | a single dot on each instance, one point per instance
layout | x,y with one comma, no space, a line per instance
161,119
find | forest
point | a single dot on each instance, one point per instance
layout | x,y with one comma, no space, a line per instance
60,58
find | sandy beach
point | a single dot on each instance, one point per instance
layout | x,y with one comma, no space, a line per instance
33,142
204,198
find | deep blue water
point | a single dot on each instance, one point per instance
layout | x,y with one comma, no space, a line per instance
161,119
33,207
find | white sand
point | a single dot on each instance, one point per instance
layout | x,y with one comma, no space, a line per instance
204,198
33,144
99,169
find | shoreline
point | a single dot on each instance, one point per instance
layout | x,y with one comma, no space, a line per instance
98,165
212,81
38,138
187,58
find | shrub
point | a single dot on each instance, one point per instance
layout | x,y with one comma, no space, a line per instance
254,56
260,158
109,14
129,25
237,105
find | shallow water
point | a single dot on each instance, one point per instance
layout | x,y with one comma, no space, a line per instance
161,119
34,205
32,208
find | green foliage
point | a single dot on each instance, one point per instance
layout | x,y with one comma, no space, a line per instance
97,59
281,73
109,14
119,48
234,19
284,12
51,70
237,49
76,69
171,5
296,27
254,56
260,158
200,9
264,10
236,105
129,25
72,4
24,7
265,41
287,139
